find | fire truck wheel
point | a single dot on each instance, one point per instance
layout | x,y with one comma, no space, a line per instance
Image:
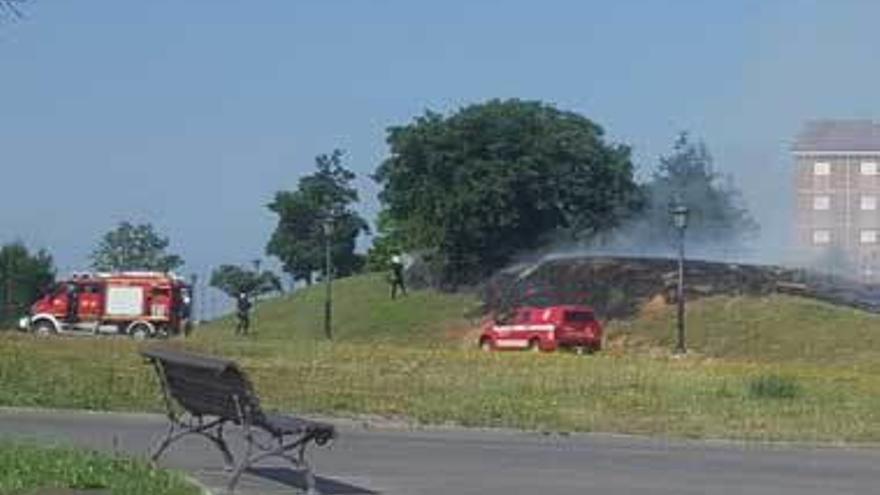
486,345
140,331
534,345
44,328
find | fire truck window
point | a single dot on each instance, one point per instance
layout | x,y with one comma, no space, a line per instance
92,289
525,316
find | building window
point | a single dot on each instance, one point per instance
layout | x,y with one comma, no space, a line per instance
868,237
821,236
821,202
869,203
821,168
868,168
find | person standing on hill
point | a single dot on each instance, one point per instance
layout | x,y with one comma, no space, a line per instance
244,314
397,276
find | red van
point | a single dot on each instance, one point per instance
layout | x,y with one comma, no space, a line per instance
544,329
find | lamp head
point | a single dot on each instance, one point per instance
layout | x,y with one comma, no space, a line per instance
679,214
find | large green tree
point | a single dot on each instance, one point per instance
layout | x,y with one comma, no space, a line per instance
23,277
497,178
325,197
134,247
234,280
718,214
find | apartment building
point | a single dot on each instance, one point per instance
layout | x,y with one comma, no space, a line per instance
837,184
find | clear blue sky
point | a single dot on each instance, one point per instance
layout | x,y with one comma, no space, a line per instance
192,114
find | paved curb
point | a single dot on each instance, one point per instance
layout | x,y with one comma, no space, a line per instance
379,423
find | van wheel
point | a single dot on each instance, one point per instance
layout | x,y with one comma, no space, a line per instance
580,350
140,331
534,345
44,328
485,345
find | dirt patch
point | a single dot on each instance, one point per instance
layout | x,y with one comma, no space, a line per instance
655,307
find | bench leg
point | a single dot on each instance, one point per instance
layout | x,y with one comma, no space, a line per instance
220,442
160,448
177,431
243,464
308,475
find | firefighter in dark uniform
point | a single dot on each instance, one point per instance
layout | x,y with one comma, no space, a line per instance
72,303
243,304
397,276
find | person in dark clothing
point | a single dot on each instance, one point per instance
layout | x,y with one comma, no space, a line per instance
72,303
244,314
397,276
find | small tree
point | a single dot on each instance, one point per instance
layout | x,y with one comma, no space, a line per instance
23,277
324,196
134,247
11,9
718,214
386,243
234,280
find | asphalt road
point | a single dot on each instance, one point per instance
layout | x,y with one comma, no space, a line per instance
396,461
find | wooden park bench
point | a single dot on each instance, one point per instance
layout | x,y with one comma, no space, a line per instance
203,394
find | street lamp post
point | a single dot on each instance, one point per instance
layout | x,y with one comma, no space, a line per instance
192,318
328,279
680,217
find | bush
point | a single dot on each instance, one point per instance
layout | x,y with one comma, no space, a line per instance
774,387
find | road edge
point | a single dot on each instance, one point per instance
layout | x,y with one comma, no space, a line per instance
401,424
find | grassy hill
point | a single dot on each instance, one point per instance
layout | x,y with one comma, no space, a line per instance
776,329
772,329
362,312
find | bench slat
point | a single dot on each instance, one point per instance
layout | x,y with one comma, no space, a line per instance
205,385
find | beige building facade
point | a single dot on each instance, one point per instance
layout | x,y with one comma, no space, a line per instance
837,184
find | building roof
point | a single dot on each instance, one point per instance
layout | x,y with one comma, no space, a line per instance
838,136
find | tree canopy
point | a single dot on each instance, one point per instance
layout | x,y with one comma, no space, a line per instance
23,277
327,195
234,280
497,178
134,247
718,214
11,9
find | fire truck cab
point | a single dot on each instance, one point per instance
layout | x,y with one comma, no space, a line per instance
139,304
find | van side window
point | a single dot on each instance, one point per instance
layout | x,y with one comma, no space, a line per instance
578,316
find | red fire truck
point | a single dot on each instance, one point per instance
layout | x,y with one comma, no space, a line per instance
139,304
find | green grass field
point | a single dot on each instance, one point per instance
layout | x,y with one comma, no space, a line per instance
25,468
762,368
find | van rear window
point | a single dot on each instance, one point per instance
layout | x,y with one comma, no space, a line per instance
578,316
